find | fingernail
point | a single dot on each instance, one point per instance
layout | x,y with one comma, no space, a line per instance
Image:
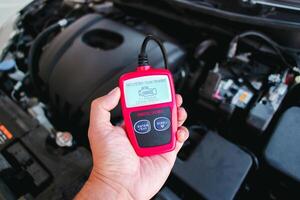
183,135
113,91
180,136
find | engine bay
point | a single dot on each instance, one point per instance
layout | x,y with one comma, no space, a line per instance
240,90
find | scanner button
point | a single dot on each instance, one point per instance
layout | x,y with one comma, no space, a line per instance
142,126
161,123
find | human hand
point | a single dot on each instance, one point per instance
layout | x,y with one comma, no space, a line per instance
118,172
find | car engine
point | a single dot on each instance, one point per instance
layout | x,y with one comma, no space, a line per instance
239,81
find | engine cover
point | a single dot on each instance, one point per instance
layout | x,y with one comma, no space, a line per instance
86,60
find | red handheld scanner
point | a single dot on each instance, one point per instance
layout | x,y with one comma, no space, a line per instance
149,110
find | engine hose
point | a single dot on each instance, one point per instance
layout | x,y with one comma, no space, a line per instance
36,50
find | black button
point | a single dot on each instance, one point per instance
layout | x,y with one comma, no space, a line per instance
142,126
161,123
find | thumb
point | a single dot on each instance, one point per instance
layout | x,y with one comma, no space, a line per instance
101,107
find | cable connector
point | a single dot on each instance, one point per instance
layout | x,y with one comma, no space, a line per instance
232,50
62,22
296,70
143,60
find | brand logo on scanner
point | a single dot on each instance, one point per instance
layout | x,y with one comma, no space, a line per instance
147,92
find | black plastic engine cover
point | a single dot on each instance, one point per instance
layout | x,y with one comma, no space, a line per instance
282,152
86,60
215,170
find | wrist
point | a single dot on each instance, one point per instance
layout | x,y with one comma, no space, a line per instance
102,188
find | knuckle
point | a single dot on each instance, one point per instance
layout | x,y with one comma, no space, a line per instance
90,135
96,102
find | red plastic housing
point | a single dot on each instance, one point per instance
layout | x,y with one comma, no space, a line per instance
148,151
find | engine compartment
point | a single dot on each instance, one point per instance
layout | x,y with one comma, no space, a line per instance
240,89
110,51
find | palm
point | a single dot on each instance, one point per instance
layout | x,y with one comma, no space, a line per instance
137,174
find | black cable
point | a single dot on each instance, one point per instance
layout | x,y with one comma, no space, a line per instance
277,48
204,46
143,58
36,49
35,52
